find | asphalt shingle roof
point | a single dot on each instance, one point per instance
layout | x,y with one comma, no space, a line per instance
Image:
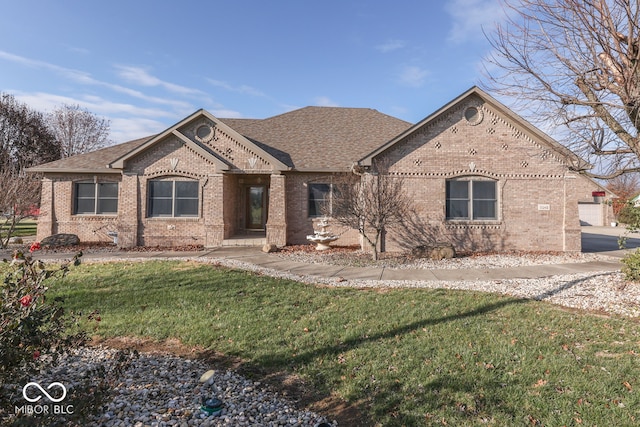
94,162
321,138
308,139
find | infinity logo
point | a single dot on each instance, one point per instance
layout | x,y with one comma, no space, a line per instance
43,391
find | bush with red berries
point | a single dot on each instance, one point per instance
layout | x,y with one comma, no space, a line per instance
31,325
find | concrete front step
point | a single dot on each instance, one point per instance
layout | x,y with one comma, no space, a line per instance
245,241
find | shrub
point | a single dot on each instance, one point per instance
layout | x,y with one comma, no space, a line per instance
627,213
31,326
631,268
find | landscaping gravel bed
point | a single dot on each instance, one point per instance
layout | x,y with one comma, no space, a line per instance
606,291
347,256
163,390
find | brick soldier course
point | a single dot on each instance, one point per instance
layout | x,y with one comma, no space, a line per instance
481,177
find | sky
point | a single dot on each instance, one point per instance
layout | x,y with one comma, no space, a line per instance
146,64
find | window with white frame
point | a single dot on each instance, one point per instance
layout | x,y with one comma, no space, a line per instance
472,199
320,196
95,198
173,198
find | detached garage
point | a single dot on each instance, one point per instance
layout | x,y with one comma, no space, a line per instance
595,210
591,213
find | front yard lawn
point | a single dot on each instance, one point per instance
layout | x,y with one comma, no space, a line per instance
405,356
27,227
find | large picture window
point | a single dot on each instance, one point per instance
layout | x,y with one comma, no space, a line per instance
173,198
320,196
471,199
92,198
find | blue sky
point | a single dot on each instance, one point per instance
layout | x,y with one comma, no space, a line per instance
146,64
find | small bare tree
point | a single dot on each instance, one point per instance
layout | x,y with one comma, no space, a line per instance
575,65
78,130
370,203
625,186
19,197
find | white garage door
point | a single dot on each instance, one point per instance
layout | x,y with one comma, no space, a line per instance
590,214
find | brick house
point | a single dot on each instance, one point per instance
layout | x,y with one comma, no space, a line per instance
481,177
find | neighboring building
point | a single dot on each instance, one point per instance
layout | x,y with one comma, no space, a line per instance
595,205
481,177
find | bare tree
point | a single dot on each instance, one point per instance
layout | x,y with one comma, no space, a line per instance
19,198
625,186
575,65
78,130
24,138
370,203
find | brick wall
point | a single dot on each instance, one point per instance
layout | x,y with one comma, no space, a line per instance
56,213
299,224
537,197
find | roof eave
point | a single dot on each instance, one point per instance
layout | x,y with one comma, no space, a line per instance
320,170
106,170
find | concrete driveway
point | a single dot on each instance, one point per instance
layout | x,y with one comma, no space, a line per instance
605,240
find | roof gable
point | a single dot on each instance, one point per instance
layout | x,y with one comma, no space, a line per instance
519,123
211,138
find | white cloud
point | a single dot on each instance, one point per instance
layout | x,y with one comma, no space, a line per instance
76,75
226,114
43,101
413,76
127,121
391,45
78,50
245,89
471,16
140,76
323,101
85,78
127,129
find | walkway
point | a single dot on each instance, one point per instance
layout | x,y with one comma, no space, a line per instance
595,239
271,261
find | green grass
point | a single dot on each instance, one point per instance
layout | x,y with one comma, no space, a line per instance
23,228
408,357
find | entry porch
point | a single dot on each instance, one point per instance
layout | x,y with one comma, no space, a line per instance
247,210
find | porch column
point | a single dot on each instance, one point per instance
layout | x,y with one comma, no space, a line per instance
277,221
128,211
213,210
46,218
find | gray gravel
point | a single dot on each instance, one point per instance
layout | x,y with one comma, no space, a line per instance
604,291
164,390
400,262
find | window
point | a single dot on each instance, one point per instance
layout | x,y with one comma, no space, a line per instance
173,198
320,196
95,198
472,199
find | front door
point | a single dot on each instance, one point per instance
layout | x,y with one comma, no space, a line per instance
256,202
